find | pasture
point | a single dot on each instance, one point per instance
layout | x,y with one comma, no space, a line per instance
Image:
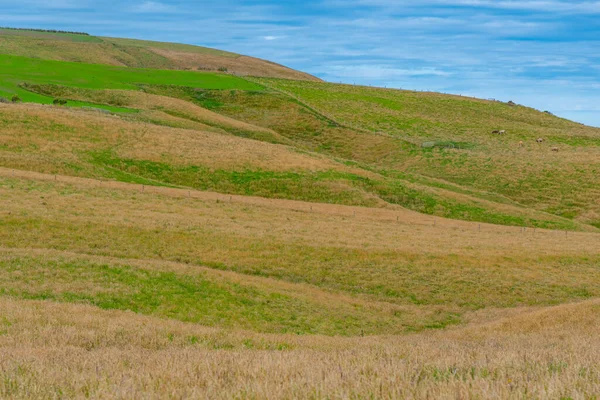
219,236
204,150
335,301
15,70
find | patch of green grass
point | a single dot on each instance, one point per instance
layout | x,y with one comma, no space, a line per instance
310,187
384,275
193,297
576,141
287,185
16,70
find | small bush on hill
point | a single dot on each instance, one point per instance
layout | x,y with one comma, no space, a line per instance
15,99
60,102
4,100
222,69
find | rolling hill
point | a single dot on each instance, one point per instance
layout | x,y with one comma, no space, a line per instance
83,48
258,233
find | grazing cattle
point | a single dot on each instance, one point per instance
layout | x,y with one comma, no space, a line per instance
539,140
521,143
495,132
502,132
555,149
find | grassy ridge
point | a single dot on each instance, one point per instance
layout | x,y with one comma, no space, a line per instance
461,177
136,54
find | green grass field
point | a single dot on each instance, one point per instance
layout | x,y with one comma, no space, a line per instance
17,70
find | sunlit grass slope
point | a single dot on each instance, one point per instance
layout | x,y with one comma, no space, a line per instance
238,237
199,149
396,258
465,152
15,71
136,54
101,279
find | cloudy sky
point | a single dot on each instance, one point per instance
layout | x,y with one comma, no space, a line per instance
541,53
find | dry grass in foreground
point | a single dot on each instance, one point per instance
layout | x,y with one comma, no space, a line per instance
79,256
50,350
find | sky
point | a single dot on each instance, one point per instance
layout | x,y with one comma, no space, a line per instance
540,53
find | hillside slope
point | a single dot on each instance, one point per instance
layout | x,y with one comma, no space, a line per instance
247,297
195,234
137,53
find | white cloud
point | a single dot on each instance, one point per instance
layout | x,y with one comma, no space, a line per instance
153,7
381,71
567,6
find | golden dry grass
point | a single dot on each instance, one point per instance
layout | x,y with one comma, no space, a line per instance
326,261
50,350
242,65
334,225
63,133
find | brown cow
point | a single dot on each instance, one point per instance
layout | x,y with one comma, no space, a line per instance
555,149
495,132
539,140
521,143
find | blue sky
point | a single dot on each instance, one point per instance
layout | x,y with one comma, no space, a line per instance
541,53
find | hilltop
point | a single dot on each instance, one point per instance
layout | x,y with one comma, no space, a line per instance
84,48
241,233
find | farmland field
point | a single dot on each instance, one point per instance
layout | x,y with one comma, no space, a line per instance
210,235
